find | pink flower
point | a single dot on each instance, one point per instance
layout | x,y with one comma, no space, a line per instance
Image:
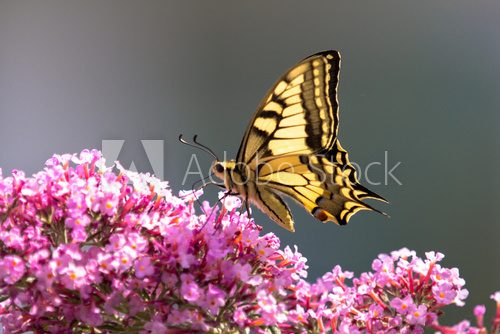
90,314
190,291
441,274
461,296
403,253
124,259
496,297
214,299
13,322
434,256
230,202
403,306
77,222
76,202
375,311
241,272
384,266
46,275
463,327
266,301
73,276
249,237
13,238
137,242
155,327
108,205
444,293
78,235
12,268
106,262
116,242
144,267
417,315
240,317
479,312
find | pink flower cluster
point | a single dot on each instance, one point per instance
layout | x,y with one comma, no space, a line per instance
84,249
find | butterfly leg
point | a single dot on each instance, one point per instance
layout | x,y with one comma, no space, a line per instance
203,186
247,207
214,206
227,193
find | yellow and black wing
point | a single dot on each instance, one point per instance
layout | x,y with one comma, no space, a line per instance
326,185
299,115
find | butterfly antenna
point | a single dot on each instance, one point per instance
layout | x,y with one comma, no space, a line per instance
197,145
182,140
207,149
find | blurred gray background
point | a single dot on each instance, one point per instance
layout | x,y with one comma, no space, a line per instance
419,79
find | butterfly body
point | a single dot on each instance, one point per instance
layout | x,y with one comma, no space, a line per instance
244,182
291,148
236,179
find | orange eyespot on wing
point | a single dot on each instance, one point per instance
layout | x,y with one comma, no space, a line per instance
319,214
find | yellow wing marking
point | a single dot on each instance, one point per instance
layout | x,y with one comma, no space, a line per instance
293,109
295,120
266,125
291,132
282,146
280,87
273,106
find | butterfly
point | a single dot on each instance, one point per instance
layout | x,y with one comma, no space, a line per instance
291,148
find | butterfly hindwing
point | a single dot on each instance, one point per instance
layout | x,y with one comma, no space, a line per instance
328,189
340,157
299,115
273,205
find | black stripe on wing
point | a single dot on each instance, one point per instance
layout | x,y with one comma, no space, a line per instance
300,112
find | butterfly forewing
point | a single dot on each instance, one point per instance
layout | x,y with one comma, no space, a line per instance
299,115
